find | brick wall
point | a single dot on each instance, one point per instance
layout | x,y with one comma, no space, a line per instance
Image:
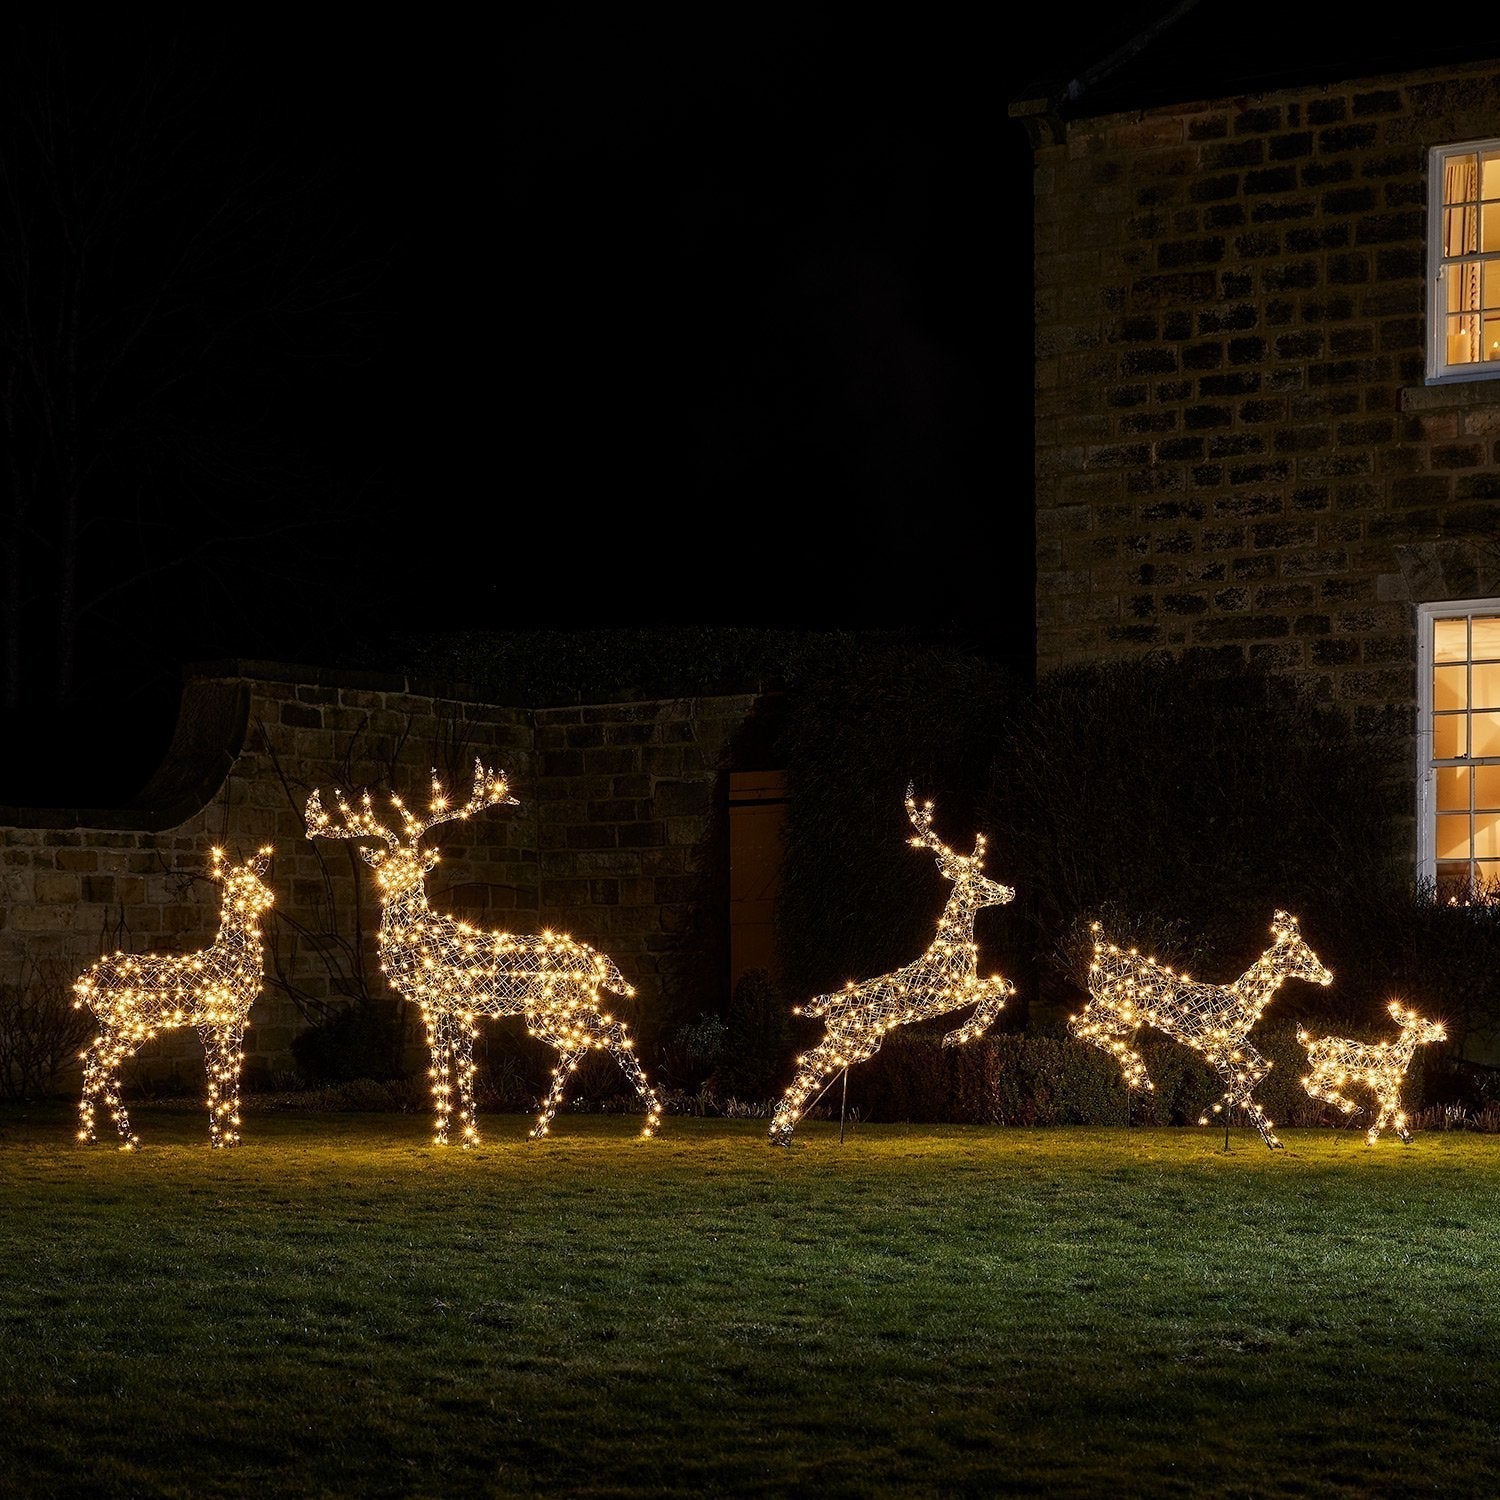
619,838
1235,450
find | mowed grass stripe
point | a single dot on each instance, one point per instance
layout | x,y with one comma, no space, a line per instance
340,1308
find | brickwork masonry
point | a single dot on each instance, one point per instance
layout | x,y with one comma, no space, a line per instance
618,838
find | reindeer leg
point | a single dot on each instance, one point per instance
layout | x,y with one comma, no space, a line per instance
567,1065
812,1069
441,1072
93,1084
222,1058
112,1054
617,1038
461,1047
985,1015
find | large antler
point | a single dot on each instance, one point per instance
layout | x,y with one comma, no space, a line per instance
490,788
921,820
357,824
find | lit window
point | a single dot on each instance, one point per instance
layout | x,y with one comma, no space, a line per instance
1458,840
1463,261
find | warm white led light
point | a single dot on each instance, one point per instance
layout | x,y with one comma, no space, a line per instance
136,995
457,973
944,978
1337,1063
1127,992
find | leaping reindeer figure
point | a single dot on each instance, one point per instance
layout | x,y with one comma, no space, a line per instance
457,973
1336,1062
135,996
1127,992
944,978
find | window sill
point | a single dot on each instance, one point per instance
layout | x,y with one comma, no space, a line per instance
1481,391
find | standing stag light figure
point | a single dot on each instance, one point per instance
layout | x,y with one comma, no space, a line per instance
457,973
944,978
1127,992
1337,1063
135,996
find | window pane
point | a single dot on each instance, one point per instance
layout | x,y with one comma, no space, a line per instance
1452,836
1486,786
1461,288
1485,734
1491,338
1487,876
1491,285
1450,640
1486,638
1489,180
1460,231
1485,683
1460,176
1450,688
1453,882
1450,736
1463,341
1489,218
1487,835
1453,788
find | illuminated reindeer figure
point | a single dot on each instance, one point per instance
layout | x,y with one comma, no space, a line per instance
135,996
1127,992
457,973
1337,1062
944,978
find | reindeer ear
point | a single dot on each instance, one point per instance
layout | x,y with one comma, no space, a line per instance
372,857
260,859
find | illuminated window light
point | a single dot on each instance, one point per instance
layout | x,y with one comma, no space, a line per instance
943,979
457,974
1127,992
136,996
1337,1063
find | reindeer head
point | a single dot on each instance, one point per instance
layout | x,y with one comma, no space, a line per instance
245,893
1290,954
403,863
1417,1027
962,869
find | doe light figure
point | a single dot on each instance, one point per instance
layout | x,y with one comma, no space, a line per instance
943,979
134,996
1128,991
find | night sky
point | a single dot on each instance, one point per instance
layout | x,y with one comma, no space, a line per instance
580,320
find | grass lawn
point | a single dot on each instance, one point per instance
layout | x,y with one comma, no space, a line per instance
341,1309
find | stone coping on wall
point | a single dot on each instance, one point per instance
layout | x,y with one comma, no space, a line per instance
212,721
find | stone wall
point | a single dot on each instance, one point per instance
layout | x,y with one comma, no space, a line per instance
1235,449
619,839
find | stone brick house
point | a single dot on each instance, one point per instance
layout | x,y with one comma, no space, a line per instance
1267,381
647,828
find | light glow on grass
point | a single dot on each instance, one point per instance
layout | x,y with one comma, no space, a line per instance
928,1310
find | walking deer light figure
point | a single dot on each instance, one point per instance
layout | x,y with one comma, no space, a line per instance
134,996
944,978
1337,1062
1127,992
457,973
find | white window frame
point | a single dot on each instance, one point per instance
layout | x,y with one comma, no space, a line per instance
1453,609
1439,371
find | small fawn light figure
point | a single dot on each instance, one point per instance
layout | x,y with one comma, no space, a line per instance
456,973
135,996
1337,1063
1127,991
944,978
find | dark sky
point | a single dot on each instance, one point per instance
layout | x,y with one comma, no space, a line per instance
587,318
